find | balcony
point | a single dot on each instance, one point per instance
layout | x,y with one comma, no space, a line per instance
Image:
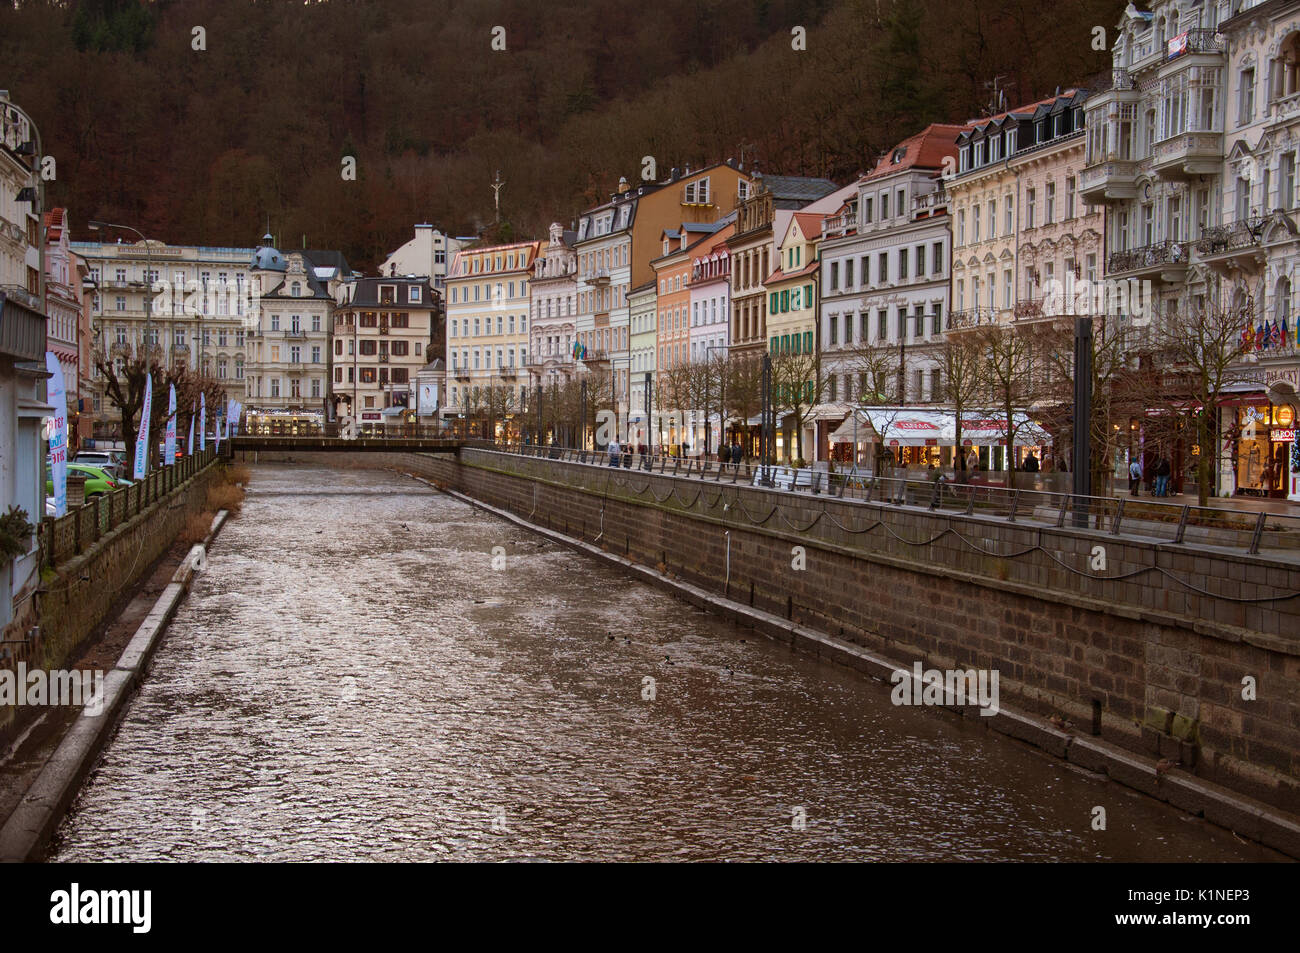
1188,155
1234,249
596,357
460,373
298,335
929,203
510,372
971,319
345,328
837,226
1283,108
1166,260
598,276
1109,181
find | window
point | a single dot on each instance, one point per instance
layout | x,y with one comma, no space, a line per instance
1246,97
835,276
848,273
882,329
882,274
920,261
1008,226
975,223
936,319
1049,210
993,218
315,354
315,323
1069,197
866,210
961,227
936,262
1031,207
902,263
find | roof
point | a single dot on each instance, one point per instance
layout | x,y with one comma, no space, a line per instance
314,286
366,292
810,224
781,275
327,258
925,150
1021,113
797,188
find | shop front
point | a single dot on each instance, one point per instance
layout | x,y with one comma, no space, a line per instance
1266,463
916,440
1282,383
285,423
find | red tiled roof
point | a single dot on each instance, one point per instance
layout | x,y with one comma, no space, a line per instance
810,223
927,150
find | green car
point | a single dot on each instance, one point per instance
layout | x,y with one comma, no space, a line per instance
97,480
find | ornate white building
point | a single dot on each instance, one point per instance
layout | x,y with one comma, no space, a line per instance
553,305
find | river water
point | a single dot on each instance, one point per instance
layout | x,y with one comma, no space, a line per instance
351,678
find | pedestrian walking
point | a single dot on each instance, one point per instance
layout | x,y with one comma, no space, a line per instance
1134,477
614,450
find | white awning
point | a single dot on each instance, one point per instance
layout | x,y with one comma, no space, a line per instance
914,427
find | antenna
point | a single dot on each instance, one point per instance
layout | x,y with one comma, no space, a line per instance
998,99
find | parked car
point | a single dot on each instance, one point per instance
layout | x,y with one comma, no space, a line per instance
98,480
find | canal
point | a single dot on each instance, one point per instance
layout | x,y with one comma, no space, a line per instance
353,678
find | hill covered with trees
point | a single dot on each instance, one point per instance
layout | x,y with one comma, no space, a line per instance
208,145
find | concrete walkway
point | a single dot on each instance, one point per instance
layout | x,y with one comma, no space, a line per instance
1246,504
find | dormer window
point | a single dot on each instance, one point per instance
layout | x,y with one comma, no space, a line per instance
963,165
295,290
899,154
415,294
387,294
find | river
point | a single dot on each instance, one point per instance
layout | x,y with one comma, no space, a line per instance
352,679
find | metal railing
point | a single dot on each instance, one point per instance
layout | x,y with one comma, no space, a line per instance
1255,533
67,536
1148,256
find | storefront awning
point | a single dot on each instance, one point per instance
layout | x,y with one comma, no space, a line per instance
914,427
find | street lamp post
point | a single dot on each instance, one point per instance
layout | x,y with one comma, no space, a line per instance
768,424
1082,476
96,226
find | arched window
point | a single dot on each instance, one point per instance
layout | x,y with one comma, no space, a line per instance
1282,302
295,289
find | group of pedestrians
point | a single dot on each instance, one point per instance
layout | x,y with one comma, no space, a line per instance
1158,483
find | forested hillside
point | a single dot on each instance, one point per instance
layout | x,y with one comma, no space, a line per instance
207,145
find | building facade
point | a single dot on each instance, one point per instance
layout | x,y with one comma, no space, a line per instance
753,253
428,255
382,337
488,306
22,368
287,371
885,280
180,305
553,305
67,284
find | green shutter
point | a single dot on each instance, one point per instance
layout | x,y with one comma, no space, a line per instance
808,296
771,308
785,301
795,342
808,342
772,347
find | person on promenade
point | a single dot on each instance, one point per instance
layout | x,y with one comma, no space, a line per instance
1134,477
613,452
1162,476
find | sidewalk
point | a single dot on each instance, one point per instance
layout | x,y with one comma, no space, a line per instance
1246,504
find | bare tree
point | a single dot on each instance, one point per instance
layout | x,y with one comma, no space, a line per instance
1196,355
962,366
743,391
1008,378
797,386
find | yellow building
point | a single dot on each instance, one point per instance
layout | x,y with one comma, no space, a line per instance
792,288
487,330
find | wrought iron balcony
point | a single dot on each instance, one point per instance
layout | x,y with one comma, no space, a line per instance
972,318
1158,257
